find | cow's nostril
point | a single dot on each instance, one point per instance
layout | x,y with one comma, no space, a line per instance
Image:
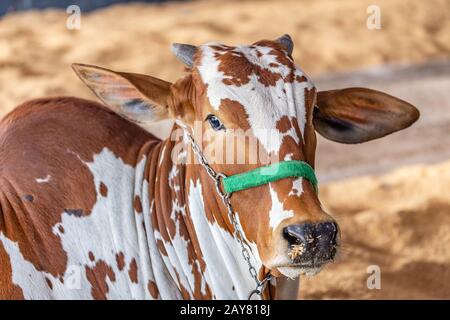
296,234
289,236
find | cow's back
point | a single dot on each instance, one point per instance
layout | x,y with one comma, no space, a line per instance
58,159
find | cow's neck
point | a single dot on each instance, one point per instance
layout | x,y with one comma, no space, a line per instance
201,258
194,237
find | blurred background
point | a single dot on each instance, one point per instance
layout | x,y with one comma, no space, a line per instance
390,196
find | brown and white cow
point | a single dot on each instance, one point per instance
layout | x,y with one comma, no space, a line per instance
93,206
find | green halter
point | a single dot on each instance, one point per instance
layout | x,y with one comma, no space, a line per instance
270,173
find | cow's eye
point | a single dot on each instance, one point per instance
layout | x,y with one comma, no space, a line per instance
215,123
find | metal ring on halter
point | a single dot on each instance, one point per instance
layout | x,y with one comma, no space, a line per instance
261,286
219,187
256,291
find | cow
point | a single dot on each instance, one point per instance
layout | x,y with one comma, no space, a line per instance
93,206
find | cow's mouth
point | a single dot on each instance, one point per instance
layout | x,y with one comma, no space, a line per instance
293,270
308,263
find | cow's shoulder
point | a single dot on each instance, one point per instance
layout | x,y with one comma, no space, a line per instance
49,153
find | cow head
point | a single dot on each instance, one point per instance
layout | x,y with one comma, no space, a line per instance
236,95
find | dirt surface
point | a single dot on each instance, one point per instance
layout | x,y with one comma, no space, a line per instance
399,222
36,48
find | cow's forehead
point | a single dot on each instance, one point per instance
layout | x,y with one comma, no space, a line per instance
262,78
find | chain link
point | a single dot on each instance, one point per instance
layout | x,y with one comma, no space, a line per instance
226,198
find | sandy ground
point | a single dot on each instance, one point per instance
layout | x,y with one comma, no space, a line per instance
399,221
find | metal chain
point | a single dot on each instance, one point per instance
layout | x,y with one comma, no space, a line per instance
226,198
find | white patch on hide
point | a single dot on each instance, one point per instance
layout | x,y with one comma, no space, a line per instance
44,180
277,214
297,187
220,249
113,226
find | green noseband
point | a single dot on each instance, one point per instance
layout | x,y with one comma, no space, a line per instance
270,173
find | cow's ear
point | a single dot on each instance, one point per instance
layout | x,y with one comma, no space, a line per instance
356,115
138,97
